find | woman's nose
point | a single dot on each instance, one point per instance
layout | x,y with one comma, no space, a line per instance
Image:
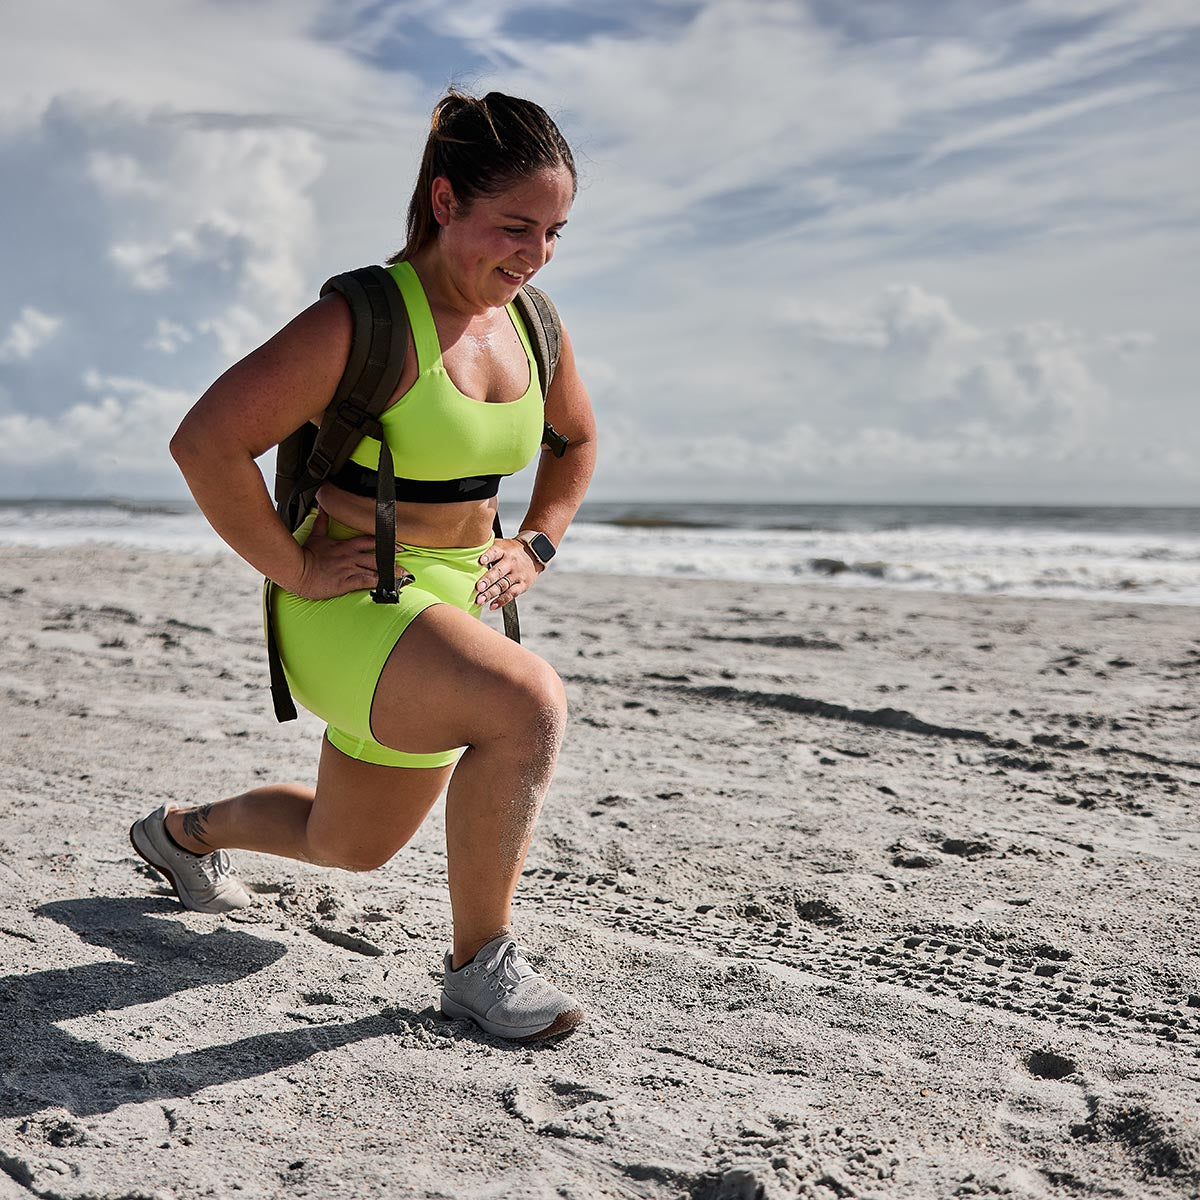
541,252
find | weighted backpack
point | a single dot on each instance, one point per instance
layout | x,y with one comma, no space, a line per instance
309,456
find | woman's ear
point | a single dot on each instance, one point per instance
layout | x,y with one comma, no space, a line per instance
442,198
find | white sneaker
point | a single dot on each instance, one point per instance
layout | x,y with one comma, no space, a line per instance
202,882
505,996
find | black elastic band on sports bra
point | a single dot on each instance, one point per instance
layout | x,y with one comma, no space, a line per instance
362,482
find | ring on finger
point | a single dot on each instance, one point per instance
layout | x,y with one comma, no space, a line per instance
503,583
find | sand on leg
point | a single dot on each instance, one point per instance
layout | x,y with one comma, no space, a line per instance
508,707
450,681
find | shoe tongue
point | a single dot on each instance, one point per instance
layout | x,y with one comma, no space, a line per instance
486,952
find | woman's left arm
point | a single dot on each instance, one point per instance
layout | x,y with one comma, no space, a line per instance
560,485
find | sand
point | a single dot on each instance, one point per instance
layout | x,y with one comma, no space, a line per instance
868,894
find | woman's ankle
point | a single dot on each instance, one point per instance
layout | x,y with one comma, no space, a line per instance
467,947
186,827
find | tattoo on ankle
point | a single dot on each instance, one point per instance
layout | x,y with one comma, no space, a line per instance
194,823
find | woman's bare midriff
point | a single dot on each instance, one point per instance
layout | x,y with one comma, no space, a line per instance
438,526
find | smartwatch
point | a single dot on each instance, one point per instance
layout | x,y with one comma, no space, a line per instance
540,546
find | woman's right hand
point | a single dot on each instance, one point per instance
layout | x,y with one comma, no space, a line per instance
333,566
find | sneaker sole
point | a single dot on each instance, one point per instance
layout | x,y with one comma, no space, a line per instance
563,1024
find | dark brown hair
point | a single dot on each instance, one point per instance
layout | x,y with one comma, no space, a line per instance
481,146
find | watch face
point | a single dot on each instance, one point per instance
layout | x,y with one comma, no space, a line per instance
542,546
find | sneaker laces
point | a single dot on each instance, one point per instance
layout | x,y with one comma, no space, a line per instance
212,868
508,964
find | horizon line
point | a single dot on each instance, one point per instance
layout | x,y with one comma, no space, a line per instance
150,501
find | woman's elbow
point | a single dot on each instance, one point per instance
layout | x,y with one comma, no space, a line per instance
583,442
185,445
180,446
199,445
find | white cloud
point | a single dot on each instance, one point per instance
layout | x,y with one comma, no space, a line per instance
897,391
262,60
1039,118
119,436
121,175
238,199
28,333
905,358
1128,345
902,316
168,336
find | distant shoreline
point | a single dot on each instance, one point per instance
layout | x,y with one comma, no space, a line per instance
635,508
1110,552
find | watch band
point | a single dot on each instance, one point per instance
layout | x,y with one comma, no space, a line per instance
531,537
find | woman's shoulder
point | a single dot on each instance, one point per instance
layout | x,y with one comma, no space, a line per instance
322,331
306,357
328,319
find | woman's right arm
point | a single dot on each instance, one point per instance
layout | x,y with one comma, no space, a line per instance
252,407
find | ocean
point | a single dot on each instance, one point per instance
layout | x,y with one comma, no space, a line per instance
1129,554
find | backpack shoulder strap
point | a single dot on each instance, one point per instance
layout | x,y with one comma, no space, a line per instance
379,312
377,352
542,320
379,344
545,330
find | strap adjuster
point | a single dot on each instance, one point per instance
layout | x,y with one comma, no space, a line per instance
382,595
352,415
554,441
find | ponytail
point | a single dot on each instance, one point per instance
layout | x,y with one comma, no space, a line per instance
480,146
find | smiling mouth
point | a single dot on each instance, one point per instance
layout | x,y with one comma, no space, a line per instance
510,274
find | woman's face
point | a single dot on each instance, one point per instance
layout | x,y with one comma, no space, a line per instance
500,242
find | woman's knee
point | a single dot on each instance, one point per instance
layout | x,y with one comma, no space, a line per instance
370,863
327,848
536,700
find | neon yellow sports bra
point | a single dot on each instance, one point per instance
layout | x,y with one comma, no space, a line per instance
437,433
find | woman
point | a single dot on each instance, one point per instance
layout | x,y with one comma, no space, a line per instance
404,687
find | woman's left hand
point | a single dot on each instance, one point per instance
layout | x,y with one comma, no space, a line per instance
511,571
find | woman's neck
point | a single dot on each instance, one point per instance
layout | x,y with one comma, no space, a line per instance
441,289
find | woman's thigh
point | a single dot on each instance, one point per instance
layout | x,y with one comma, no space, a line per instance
334,651
363,813
453,681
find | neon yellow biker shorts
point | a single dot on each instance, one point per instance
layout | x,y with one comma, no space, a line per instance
333,651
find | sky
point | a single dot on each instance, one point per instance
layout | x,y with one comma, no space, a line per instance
822,250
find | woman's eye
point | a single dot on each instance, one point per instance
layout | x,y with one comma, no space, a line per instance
514,231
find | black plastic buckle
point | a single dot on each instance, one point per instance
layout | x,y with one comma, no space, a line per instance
554,440
353,416
382,595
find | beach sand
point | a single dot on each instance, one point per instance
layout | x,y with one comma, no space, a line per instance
867,893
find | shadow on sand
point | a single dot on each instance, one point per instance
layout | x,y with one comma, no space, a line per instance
44,1066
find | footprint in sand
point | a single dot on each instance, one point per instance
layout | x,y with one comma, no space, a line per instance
563,1109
